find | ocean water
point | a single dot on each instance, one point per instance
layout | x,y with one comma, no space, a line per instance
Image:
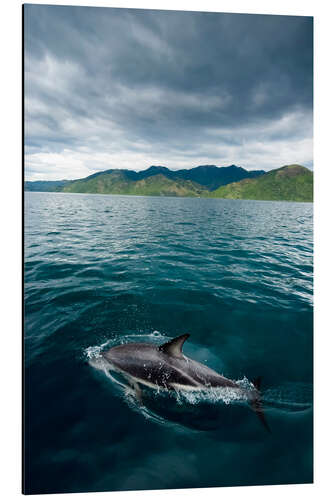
103,270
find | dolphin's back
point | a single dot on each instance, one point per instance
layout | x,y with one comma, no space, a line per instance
152,366
146,364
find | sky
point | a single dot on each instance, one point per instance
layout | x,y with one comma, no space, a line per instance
126,88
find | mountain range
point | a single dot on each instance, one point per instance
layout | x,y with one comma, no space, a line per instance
291,182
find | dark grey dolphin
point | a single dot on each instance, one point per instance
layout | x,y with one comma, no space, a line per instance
166,367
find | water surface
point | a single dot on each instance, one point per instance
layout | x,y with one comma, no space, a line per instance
236,275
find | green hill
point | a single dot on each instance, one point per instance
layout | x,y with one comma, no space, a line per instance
118,182
289,183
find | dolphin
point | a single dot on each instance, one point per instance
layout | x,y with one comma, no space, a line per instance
166,367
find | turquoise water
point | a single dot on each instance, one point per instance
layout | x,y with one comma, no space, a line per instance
101,270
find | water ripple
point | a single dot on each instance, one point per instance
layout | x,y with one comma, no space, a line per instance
236,275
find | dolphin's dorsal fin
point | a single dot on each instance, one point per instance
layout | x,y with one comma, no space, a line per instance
174,347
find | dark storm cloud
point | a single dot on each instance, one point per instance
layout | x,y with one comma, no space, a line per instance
125,88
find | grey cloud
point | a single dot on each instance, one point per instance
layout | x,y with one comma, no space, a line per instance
147,82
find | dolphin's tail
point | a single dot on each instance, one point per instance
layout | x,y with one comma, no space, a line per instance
257,405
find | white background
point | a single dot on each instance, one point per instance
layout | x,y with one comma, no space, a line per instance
10,245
